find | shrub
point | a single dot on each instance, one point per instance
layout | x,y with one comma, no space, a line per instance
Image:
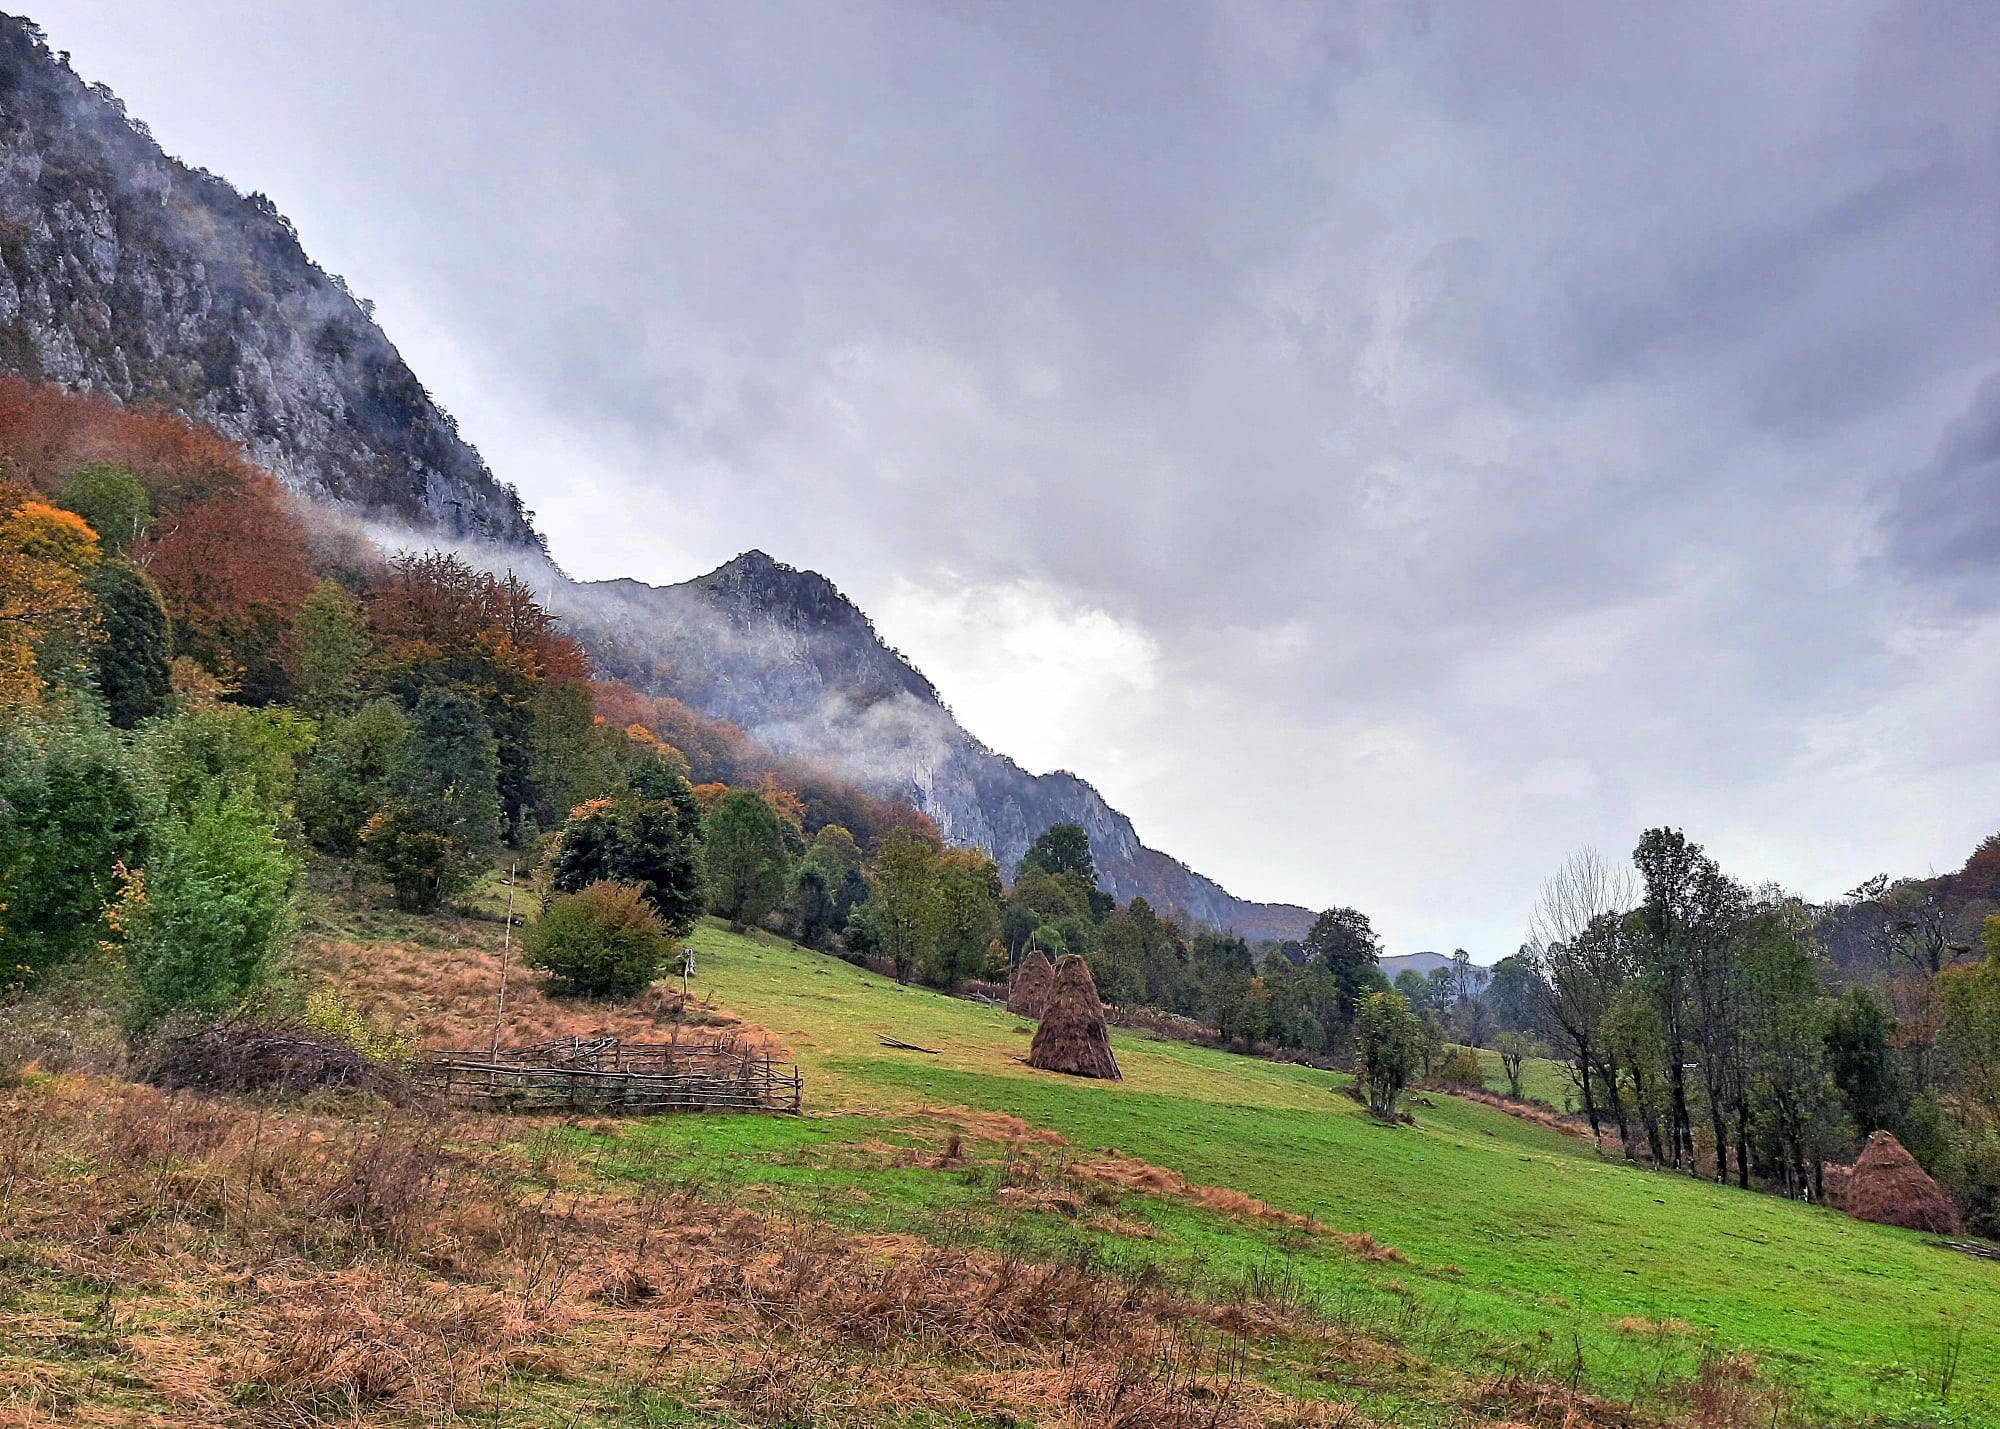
1461,1069
604,941
1386,1035
205,923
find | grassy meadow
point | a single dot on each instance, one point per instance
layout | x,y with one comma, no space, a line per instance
1523,1246
941,1240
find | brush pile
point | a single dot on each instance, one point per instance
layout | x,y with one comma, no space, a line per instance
1073,1037
274,1057
1030,987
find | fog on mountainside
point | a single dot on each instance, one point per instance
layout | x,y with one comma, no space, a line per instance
127,272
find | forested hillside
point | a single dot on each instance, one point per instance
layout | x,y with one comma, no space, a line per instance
127,272
784,654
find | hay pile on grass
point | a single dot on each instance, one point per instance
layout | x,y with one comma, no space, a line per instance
1073,1037
1887,1186
1030,987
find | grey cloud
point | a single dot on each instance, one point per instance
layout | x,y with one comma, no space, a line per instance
1941,525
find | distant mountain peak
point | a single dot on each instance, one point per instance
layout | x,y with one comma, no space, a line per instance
782,653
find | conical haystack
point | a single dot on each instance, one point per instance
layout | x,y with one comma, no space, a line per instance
1073,1037
1030,987
1889,1187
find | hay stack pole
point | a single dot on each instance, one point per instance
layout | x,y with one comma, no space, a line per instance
1030,988
1073,1037
1887,1186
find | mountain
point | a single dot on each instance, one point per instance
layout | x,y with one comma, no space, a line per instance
126,272
1424,964
784,654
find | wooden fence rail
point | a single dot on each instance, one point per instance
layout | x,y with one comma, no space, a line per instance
632,1079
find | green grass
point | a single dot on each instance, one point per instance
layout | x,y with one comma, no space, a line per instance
1542,1080
1527,1249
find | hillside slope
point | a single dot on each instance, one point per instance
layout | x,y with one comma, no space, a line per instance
127,272
1519,1236
784,654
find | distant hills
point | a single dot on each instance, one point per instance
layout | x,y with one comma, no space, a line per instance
1424,964
127,272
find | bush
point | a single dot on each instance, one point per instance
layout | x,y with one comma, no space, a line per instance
205,922
1462,1069
602,942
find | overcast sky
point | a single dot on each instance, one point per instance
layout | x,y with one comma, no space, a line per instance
1383,448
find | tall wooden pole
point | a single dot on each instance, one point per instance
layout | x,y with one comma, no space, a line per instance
506,947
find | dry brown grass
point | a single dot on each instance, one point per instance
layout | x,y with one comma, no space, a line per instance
1568,1124
362,1264
445,997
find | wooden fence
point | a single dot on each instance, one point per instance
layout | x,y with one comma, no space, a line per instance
620,1078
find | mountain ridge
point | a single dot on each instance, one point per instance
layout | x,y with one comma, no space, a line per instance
782,653
126,272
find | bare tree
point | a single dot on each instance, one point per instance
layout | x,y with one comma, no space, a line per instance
1580,960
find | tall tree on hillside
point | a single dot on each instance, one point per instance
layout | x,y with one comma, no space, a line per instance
967,915
346,780
1580,957
1062,851
748,865
902,904
1857,1054
1340,953
1686,920
650,837
828,886
442,816
45,556
233,572
112,500
333,642
1059,849
131,661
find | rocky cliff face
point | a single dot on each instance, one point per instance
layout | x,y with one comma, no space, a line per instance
126,272
782,653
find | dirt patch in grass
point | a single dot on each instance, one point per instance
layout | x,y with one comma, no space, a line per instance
1568,1125
995,1126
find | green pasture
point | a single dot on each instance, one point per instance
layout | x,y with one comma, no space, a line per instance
1525,1250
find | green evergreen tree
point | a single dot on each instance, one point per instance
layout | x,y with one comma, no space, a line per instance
132,662
442,817
347,778
333,643
653,844
748,866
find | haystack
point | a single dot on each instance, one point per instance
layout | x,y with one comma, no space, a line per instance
1030,987
1073,1037
1887,1186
